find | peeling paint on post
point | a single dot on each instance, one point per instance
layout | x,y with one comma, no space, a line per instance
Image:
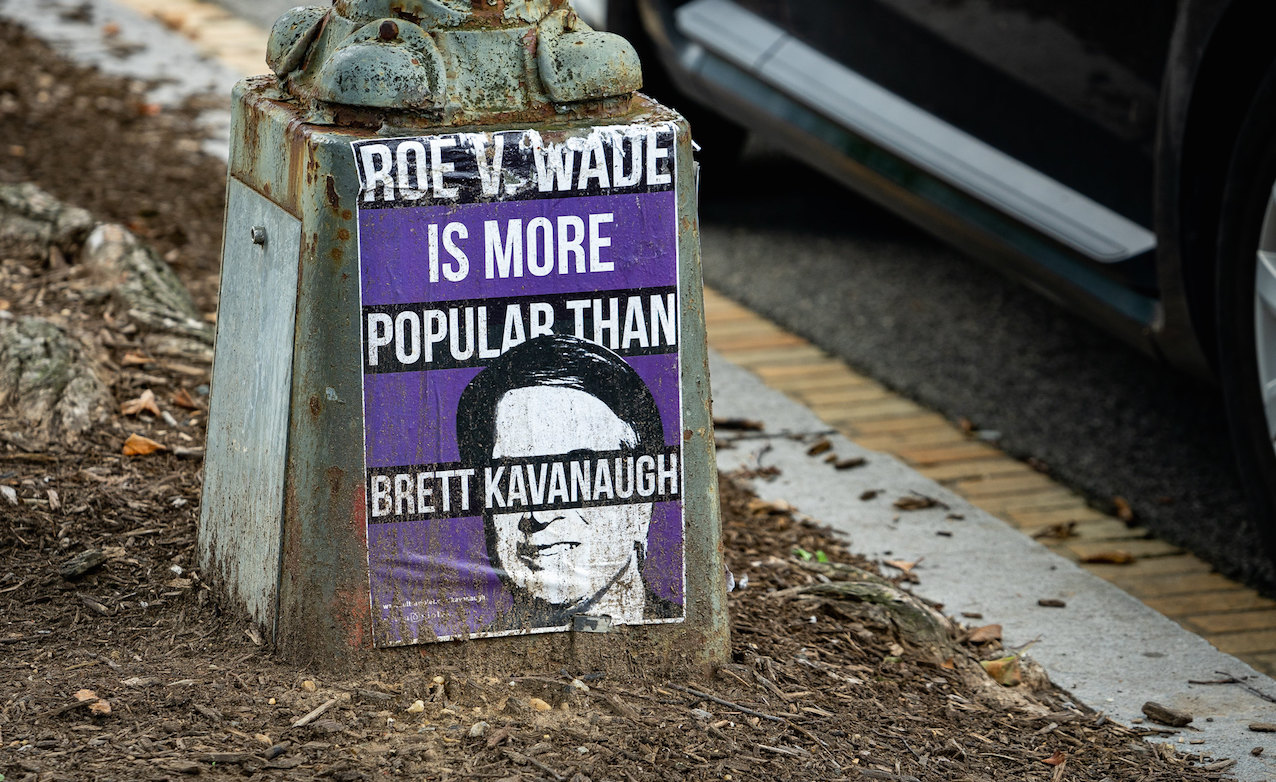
483,415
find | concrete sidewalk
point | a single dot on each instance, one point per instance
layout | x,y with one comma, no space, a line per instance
1111,651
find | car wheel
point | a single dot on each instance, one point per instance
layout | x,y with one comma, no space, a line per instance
1246,306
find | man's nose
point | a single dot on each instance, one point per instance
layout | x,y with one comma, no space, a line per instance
529,524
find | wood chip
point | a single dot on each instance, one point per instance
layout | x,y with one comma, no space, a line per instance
81,563
820,446
737,425
916,502
985,634
137,445
316,714
1165,715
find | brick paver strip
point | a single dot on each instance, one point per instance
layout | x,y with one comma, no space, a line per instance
1243,645
905,423
1233,622
1027,518
1146,568
793,365
974,468
1095,529
1181,584
1199,604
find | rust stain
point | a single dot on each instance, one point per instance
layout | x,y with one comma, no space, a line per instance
343,234
337,254
330,191
334,474
315,406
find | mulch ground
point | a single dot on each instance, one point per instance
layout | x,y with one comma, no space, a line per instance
819,687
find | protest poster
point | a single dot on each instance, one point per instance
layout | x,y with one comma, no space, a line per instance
521,381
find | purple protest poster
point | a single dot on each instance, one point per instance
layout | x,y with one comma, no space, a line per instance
521,390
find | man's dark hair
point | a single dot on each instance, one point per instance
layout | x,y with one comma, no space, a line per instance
558,361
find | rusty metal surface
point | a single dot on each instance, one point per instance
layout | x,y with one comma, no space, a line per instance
448,62
324,613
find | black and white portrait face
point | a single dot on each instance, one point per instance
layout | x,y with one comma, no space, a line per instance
570,555
563,406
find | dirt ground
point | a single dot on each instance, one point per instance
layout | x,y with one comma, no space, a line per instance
820,686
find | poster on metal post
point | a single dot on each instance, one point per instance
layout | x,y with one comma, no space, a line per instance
521,389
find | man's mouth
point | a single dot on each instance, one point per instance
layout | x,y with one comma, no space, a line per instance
529,552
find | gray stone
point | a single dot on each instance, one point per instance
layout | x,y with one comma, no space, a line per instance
31,221
142,284
49,382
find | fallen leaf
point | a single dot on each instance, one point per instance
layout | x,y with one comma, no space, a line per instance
850,463
1114,557
143,404
1055,759
137,445
84,695
538,704
135,359
1004,671
1123,510
182,398
100,708
111,29
985,634
948,665
900,564
871,494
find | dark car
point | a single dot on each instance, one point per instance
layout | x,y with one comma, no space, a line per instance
1117,156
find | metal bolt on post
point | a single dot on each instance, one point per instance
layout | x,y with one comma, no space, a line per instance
460,403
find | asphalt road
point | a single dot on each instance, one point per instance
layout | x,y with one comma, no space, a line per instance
951,333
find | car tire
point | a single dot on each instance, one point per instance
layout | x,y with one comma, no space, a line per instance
1246,306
